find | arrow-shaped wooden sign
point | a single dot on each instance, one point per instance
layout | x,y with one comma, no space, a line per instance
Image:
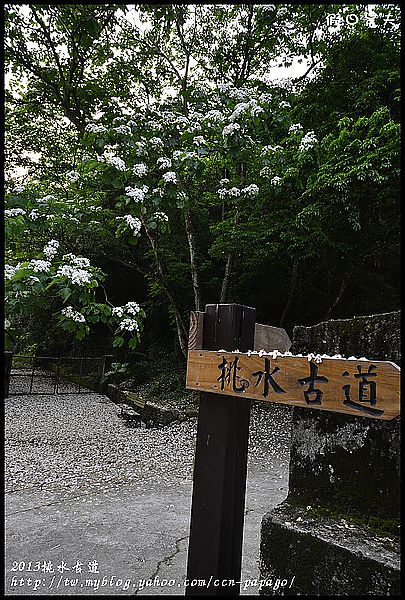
354,386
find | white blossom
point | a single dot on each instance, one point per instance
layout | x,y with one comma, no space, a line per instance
111,159
156,142
164,163
265,172
224,181
284,104
51,249
214,116
129,325
14,212
295,127
266,97
161,216
73,176
124,129
132,308
39,266
140,148
34,214
76,276
170,177
46,199
270,149
133,223
308,141
19,188
230,129
9,271
140,169
73,314
76,261
94,128
276,180
136,193
251,190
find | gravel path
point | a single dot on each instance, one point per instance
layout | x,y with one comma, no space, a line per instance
76,443
74,471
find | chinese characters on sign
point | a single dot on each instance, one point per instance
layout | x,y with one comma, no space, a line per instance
342,385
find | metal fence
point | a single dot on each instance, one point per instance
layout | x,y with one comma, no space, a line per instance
44,375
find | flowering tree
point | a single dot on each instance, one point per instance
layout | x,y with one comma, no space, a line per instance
178,158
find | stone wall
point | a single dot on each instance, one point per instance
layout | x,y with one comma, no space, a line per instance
337,531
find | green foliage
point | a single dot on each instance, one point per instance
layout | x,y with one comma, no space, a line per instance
165,154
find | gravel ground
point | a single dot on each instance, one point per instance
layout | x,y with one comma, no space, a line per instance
81,482
74,443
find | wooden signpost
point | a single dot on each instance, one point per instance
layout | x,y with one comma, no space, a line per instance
228,380
358,387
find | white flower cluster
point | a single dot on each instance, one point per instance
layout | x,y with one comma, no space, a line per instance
115,161
170,177
230,129
243,107
73,176
250,190
199,140
9,271
51,249
224,181
276,180
128,325
76,261
184,155
124,129
73,314
94,128
39,266
308,141
214,116
161,216
233,92
295,127
46,199
156,142
131,308
34,214
284,104
164,163
270,149
266,172
137,194
14,212
76,276
133,223
19,188
140,148
265,97
233,192
140,169
75,270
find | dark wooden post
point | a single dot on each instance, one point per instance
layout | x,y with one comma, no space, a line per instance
8,359
217,514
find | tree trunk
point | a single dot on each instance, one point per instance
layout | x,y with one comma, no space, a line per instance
181,329
338,297
226,280
194,271
293,285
